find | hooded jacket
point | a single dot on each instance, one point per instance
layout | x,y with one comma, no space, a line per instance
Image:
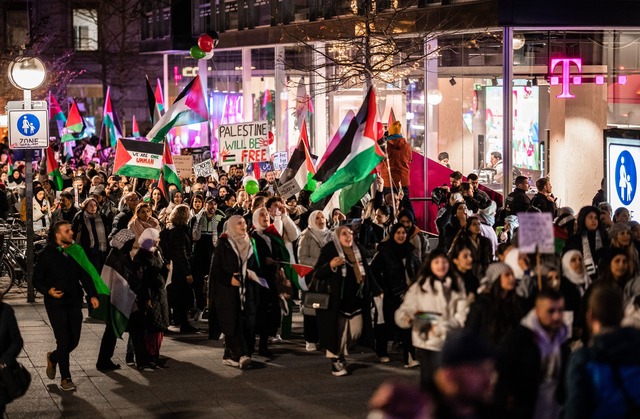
399,152
592,391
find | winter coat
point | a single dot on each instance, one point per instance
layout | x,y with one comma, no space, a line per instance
176,245
149,276
592,390
268,319
10,342
309,249
517,201
347,298
224,297
400,153
56,269
542,203
121,221
450,308
521,371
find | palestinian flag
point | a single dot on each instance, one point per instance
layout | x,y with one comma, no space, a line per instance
9,163
78,254
74,125
122,297
169,172
303,271
281,254
56,113
190,107
53,170
355,156
134,128
139,159
299,172
109,121
159,98
154,108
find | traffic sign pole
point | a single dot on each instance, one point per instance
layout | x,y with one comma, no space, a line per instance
28,157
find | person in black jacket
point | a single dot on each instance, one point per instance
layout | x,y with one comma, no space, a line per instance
233,294
518,201
10,345
535,356
544,201
342,271
61,280
176,242
121,220
394,268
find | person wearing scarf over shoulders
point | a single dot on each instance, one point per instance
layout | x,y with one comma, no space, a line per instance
233,292
342,271
270,249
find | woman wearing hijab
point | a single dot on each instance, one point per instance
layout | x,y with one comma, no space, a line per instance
142,219
394,269
590,240
268,253
342,271
574,272
175,199
233,294
310,244
497,309
41,210
91,232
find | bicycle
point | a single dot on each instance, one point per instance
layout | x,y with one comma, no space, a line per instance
13,245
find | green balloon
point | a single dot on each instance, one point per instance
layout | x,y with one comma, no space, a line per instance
252,187
197,53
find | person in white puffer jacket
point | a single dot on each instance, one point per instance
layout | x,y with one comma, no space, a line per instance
435,304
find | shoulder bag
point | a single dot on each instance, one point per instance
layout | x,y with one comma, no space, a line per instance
318,295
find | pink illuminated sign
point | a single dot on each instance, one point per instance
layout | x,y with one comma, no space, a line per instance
566,75
566,79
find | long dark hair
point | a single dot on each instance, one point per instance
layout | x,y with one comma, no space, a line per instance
427,274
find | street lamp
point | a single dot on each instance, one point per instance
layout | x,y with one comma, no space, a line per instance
27,74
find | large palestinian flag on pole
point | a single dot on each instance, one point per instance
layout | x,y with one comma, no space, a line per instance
355,157
109,121
190,107
139,159
122,297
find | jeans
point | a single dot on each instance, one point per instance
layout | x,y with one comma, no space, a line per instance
66,322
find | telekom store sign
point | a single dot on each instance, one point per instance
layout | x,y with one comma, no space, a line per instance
567,78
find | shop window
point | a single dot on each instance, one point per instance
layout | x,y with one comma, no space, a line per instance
85,29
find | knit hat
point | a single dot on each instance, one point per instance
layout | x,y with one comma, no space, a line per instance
465,347
493,273
148,238
563,219
395,128
121,238
618,228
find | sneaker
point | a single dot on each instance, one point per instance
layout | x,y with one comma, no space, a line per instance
230,362
384,359
310,347
51,367
276,339
244,363
197,316
130,360
147,368
412,364
67,385
338,368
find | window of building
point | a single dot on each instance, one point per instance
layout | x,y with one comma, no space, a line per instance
17,28
85,29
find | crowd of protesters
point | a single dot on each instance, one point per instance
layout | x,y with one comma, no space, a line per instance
494,332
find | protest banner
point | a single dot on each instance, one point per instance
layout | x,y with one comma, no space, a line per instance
244,143
536,230
204,169
184,166
279,160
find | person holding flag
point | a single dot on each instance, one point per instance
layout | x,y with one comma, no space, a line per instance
61,276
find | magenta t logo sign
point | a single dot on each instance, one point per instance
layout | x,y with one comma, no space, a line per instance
566,75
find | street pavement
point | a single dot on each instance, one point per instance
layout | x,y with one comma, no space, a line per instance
195,383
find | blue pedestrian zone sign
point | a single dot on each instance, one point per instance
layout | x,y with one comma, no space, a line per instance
626,178
28,128
28,125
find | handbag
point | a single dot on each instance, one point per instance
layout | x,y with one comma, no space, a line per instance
15,379
316,298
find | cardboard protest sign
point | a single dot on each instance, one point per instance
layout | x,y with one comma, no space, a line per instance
204,169
184,165
244,143
536,229
279,160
